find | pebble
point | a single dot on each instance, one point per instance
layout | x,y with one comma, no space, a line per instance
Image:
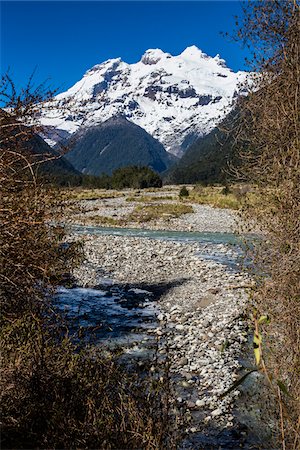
190,404
216,412
200,403
183,361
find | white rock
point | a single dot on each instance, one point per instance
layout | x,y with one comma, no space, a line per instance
200,403
216,412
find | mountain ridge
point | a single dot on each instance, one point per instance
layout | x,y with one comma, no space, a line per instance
116,143
176,99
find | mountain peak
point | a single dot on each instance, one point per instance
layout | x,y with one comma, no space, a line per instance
193,52
153,55
109,63
174,98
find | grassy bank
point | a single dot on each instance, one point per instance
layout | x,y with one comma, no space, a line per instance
146,213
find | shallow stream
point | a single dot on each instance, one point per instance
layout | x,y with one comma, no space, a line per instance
122,314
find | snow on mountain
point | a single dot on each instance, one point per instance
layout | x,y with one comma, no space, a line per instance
176,99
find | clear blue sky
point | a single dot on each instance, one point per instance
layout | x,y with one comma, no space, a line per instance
64,39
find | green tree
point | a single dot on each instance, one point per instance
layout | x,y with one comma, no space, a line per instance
184,192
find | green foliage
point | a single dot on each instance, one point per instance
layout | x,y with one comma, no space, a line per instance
113,144
184,192
135,177
208,160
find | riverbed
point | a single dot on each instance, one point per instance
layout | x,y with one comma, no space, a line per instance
186,291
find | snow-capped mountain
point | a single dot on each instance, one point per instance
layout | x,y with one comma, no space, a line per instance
176,99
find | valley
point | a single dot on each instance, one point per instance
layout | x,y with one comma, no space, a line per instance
149,220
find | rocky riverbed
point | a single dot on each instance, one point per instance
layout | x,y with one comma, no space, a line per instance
200,328
116,208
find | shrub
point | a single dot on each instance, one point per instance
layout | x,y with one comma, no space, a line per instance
183,192
135,177
268,130
225,190
55,394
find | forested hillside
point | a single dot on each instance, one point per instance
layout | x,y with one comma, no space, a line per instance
210,158
113,144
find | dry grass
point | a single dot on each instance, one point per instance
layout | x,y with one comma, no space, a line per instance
91,194
150,198
55,395
268,134
146,213
230,197
216,200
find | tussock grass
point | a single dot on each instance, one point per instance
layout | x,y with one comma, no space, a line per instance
231,197
149,198
146,213
90,194
216,200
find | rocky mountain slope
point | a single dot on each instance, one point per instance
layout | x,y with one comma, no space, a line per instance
176,99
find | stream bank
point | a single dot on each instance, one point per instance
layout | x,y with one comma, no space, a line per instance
199,293
192,272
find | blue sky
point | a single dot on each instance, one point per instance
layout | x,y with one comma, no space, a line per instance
61,40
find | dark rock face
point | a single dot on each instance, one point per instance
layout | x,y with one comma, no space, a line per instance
100,87
116,143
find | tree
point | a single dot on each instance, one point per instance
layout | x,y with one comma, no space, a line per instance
184,192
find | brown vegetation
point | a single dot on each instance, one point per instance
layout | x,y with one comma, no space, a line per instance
55,393
164,211
268,133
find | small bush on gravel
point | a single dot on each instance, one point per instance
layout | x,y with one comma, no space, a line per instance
183,192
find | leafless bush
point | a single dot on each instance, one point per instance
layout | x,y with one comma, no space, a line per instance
54,394
268,134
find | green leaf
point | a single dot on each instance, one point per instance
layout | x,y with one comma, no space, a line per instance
256,346
257,355
264,319
283,388
225,345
